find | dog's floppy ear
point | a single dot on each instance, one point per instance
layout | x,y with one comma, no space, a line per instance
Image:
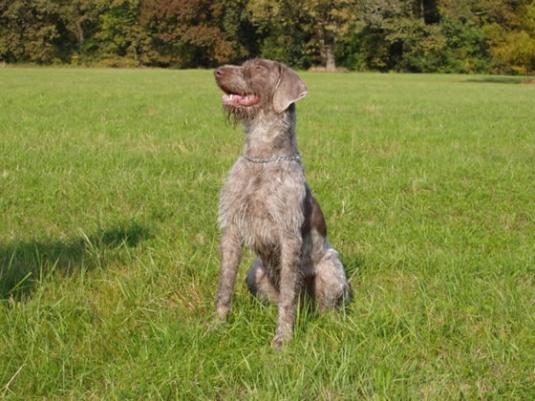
290,88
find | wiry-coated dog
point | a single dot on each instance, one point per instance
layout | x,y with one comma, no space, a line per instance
266,203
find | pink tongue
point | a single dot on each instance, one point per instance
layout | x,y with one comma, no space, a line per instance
241,100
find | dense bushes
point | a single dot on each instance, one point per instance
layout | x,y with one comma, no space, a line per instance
400,35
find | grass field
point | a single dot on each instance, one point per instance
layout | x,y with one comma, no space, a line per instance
109,183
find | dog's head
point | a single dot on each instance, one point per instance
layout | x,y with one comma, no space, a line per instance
256,85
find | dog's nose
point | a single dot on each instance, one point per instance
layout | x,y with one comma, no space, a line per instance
218,72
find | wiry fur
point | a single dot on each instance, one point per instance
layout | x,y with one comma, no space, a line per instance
269,206
238,114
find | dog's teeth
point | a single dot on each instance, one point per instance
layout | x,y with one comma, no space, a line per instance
236,99
228,98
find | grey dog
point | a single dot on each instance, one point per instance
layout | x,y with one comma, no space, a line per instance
266,203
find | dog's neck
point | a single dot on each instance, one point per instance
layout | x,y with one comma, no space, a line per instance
270,134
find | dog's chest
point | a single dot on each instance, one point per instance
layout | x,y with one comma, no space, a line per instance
255,212
259,202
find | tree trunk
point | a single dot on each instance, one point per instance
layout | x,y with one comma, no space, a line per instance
328,48
80,35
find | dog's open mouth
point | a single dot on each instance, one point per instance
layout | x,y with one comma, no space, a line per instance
235,100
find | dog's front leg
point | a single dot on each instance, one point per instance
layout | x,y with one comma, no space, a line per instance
230,261
289,280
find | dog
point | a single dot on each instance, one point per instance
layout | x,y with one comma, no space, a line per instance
266,204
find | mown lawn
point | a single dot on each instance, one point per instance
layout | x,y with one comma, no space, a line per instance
109,182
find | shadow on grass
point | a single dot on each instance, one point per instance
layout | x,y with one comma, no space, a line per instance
498,80
24,263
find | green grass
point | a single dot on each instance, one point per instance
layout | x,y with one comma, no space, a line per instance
109,182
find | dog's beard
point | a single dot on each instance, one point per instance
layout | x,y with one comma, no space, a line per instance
236,115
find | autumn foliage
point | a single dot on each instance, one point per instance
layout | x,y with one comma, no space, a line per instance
401,35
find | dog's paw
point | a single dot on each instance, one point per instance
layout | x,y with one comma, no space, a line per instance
279,341
215,324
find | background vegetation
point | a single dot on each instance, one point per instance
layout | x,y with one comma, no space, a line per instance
401,35
109,183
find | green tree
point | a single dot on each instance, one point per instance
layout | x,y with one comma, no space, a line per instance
466,48
317,24
80,19
513,44
403,35
507,28
118,34
192,33
400,34
29,31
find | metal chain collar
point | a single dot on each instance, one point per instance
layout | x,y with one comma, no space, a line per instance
295,157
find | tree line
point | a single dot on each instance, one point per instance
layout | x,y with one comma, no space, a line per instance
496,36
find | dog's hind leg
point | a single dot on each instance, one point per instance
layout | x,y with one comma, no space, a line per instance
259,283
331,288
